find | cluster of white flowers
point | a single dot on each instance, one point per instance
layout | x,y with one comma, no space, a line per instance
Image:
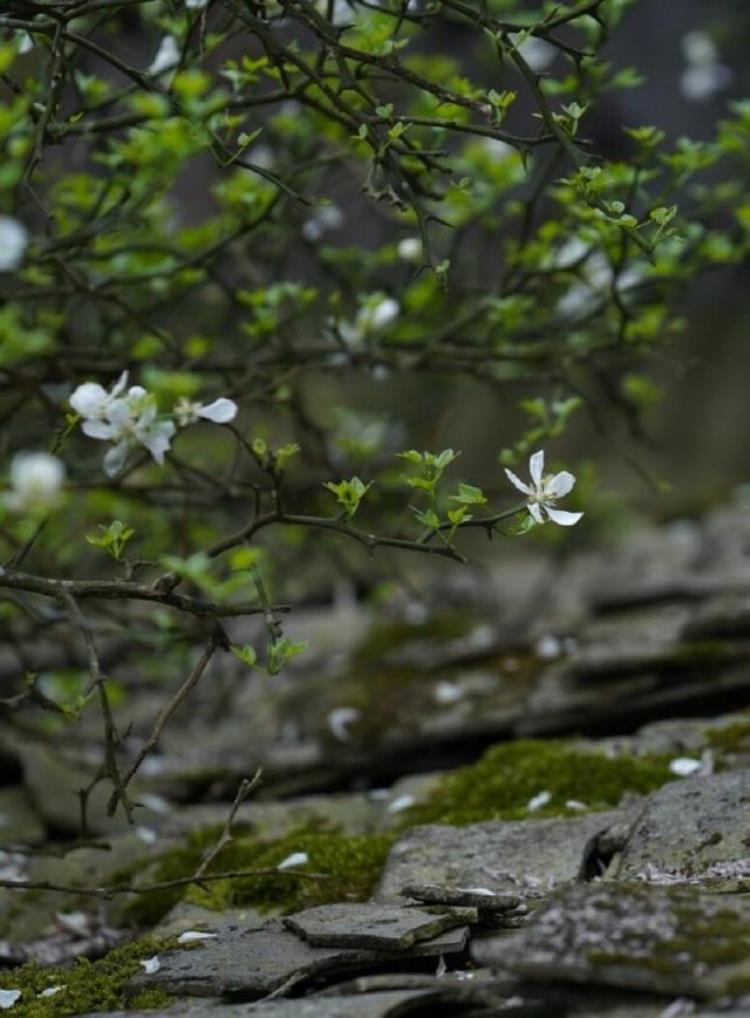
596,276
704,74
544,491
128,417
376,314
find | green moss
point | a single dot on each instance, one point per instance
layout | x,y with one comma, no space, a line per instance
500,785
387,636
88,986
349,866
734,738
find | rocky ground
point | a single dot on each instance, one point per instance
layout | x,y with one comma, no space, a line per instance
529,793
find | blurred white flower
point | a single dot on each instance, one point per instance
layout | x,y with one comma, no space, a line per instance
14,239
294,860
544,491
704,74
221,411
598,277
684,766
167,56
196,5
25,43
36,480
537,53
376,314
151,965
410,249
92,401
323,220
52,991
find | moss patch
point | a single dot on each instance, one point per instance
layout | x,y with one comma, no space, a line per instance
349,866
88,986
508,776
734,738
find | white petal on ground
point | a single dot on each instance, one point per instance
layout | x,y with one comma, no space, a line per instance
484,891
562,518
448,692
536,467
518,482
193,936
8,998
575,804
538,801
339,720
14,239
52,991
400,803
146,835
293,861
221,411
548,647
151,965
684,766
561,484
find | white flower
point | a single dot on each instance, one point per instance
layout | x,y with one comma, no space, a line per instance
221,411
167,56
14,239
193,936
36,479
127,420
538,801
25,43
704,75
323,220
410,249
375,317
544,492
294,860
8,998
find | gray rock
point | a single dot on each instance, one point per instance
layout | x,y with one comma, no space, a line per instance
479,898
517,857
19,823
692,831
375,927
253,962
675,941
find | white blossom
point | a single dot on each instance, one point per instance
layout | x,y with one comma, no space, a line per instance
8,998
127,419
221,411
544,491
36,480
294,860
14,239
704,74
167,56
410,249
25,43
323,220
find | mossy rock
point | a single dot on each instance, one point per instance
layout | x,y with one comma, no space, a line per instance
86,986
502,783
348,866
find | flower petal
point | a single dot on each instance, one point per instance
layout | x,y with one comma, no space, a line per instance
560,484
536,512
518,482
99,429
114,461
536,467
562,518
221,411
157,440
89,399
120,384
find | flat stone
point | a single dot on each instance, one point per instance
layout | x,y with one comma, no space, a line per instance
692,831
675,941
525,858
376,927
253,962
482,899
